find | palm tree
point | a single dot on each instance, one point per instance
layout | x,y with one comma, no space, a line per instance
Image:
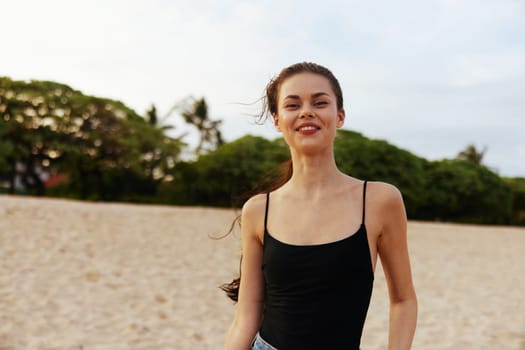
195,112
153,119
471,154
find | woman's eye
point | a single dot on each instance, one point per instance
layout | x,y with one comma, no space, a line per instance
320,103
291,105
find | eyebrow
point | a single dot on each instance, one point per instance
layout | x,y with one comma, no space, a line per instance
317,94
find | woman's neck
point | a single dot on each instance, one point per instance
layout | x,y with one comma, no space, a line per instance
314,175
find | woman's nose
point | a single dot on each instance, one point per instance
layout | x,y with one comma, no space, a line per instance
306,112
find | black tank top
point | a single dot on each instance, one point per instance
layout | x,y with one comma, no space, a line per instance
316,296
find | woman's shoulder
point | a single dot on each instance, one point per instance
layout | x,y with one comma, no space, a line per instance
383,189
383,194
379,191
253,212
255,203
385,202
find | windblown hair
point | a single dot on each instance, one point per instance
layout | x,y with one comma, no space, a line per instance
285,171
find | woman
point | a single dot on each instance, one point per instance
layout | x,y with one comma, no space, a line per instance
309,250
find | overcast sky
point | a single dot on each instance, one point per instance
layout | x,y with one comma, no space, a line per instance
429,76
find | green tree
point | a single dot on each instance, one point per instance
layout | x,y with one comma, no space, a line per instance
462,191
517,185
153,119
471,154
151,115
28,117
106,148
195,112
219,177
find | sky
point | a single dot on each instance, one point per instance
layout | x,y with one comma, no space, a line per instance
428,76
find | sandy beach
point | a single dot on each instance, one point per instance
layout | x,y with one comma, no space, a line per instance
76,275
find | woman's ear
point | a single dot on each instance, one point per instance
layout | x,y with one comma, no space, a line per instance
276,122
340,118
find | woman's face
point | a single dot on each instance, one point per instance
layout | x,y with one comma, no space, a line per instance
307,113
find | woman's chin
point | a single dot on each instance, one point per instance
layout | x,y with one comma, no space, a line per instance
312,148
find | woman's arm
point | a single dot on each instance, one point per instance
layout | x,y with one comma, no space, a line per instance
250,301
393,251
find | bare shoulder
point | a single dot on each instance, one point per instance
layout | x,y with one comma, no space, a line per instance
252,216
383,193
254,206
387,207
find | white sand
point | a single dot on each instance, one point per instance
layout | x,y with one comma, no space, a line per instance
79,275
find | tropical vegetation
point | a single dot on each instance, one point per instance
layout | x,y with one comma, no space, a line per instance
57,141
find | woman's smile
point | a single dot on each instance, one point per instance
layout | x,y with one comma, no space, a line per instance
308,128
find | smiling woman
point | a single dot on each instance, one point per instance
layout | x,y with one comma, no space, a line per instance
308,283
309,96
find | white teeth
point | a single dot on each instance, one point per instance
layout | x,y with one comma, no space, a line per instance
308,128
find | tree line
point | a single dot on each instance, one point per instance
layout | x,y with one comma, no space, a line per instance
56,141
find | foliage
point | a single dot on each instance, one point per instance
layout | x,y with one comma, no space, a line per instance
471,154
106,148
109,152
517,185
219,176
459,190
195,112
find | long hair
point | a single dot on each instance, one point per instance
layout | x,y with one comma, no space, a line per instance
285,171
280,177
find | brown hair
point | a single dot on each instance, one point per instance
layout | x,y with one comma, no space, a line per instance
285,171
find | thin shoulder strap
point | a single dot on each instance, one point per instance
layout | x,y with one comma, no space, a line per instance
364,203
266,210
